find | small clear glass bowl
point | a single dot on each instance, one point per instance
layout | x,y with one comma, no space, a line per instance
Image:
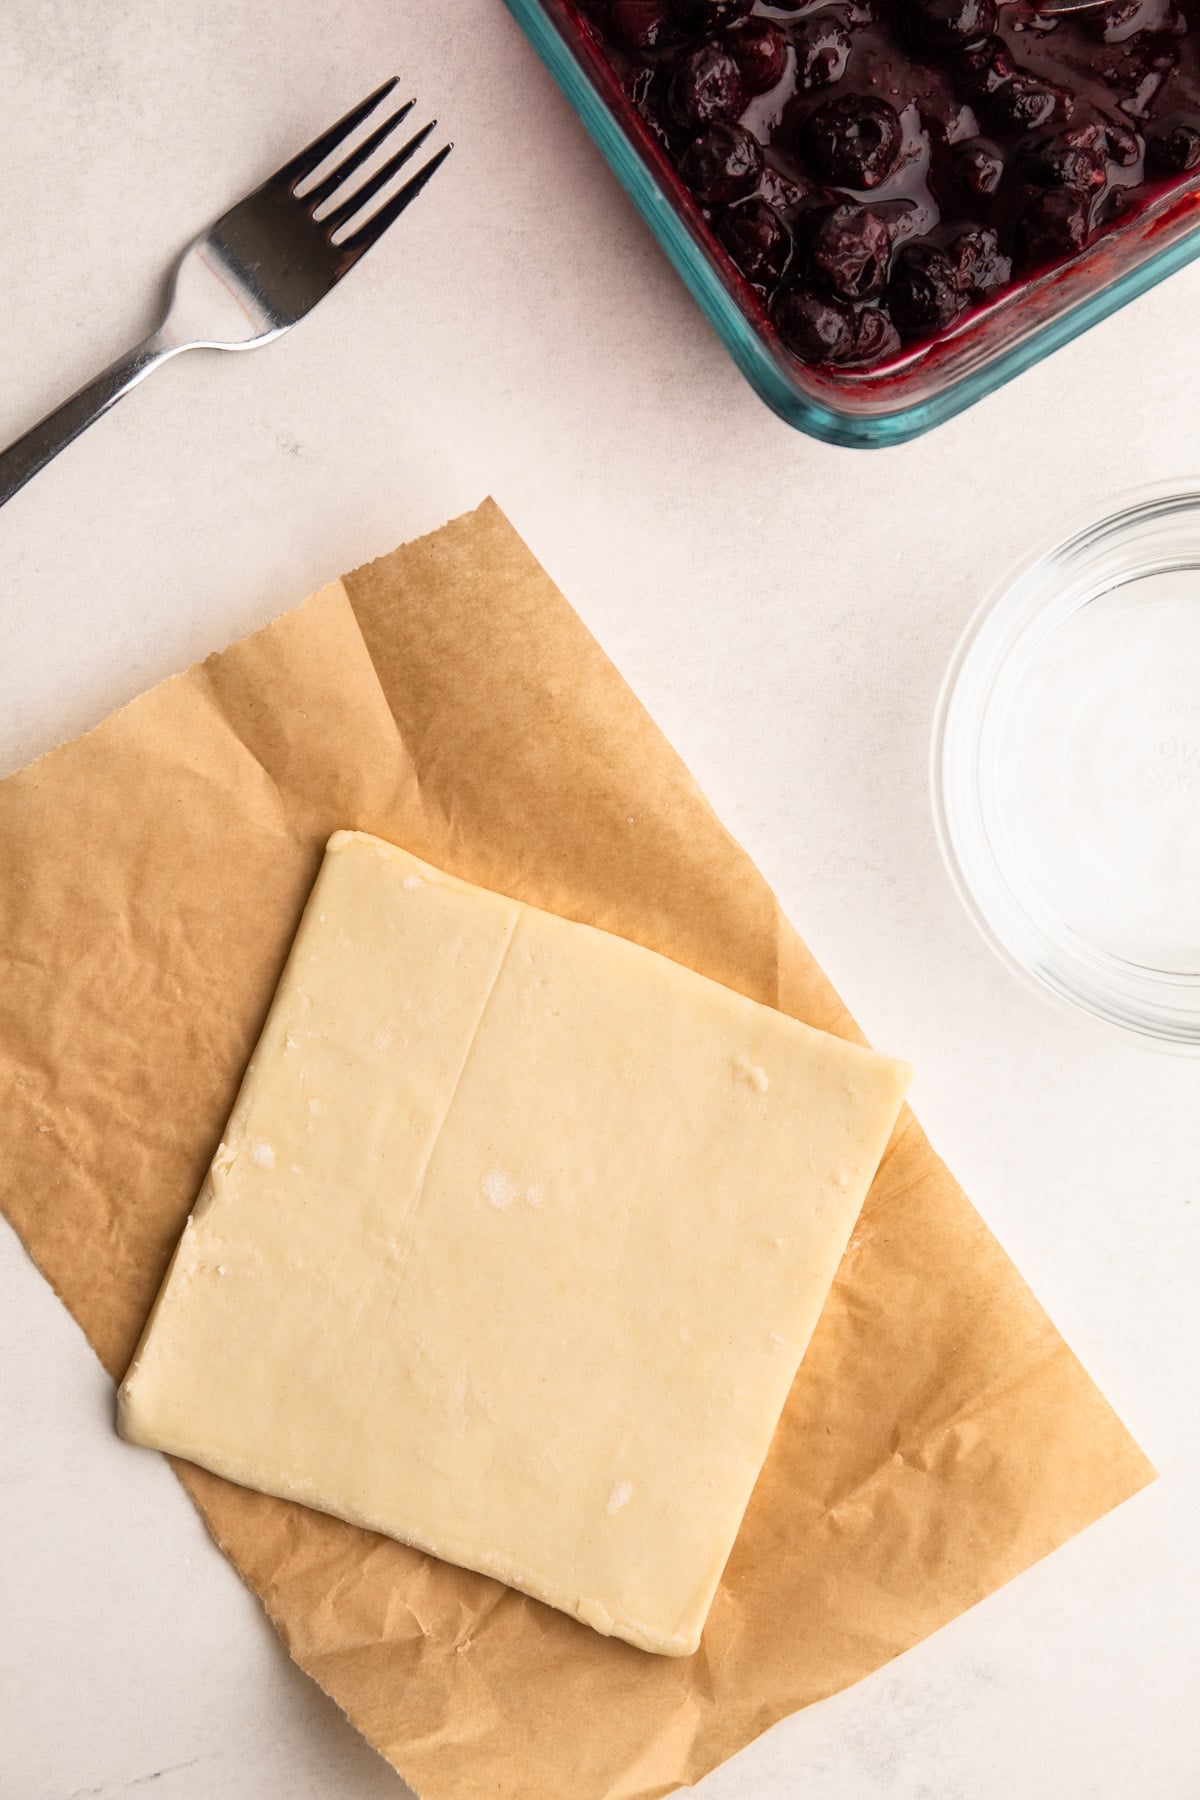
1066,766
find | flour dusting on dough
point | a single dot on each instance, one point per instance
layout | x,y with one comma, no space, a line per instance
499,1189
263,1156
750,1072
621,1495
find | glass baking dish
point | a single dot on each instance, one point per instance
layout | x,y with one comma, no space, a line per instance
866,409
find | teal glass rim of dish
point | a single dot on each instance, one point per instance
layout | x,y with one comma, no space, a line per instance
904,400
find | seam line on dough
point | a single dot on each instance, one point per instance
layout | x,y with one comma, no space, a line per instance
435,1140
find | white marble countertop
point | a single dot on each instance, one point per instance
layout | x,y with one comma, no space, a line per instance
785,610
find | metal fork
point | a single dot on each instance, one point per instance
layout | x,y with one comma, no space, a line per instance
253,274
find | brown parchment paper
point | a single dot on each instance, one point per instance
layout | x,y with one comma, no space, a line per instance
939,1438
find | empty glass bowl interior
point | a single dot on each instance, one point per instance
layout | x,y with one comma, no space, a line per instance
1066,767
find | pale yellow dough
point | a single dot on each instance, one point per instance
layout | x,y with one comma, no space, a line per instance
516,1237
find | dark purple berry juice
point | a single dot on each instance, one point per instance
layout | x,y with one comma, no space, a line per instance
874,170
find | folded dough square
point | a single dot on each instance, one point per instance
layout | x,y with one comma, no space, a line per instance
515,1240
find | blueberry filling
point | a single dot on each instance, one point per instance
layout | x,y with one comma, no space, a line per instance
874,169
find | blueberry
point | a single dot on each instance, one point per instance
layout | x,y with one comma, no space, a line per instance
849,252
761,52
853,140
705,87
924,295
1076,158
644,24
722,164
819,330
1052,225
976,168
1173,146
985,68
757,240
1025,103
783,190
710,15
949,24
978,264
822,46
875,337
1121,143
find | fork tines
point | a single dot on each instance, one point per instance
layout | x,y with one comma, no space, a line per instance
293,175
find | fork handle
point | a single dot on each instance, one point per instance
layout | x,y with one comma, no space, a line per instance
43,441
